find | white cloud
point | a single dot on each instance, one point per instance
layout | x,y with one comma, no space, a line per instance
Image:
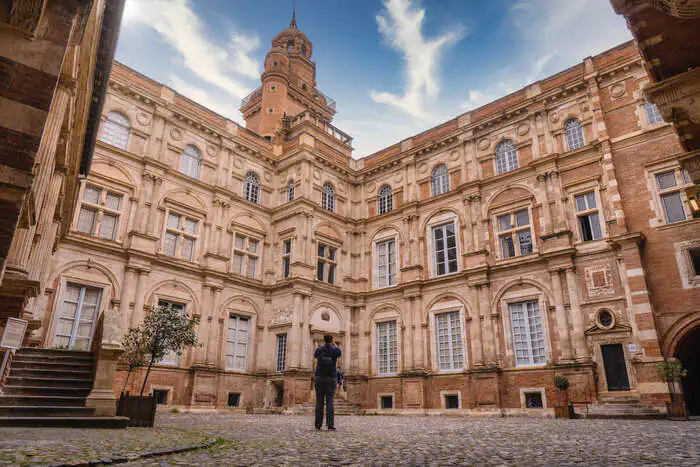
476,99
182,29
202,97
401,24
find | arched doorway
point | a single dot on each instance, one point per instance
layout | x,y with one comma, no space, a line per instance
688,352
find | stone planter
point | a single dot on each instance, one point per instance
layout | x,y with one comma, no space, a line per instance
141,410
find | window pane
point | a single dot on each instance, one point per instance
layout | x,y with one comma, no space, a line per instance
666,180
331,273
525,242
86,221
187,248
252,262
507,246
590,199
285,266
108,226
170,243
239,242
586,231
694,254
321,250
504,222
238,263
191,226
522,218
319,270
580,203
253,246
174,221
673,207
113,201
92,195
287,246
595,226
331,253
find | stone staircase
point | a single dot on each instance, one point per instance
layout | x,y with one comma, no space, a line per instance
625,407
47,387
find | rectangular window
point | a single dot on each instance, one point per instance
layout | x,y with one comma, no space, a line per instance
588,217
326,263
161,396
236,351
180,236
449,341
694,254
533,400
670,195
515,234
281,352
170,357
528,333
100,211
653,114
245,255
445,249
387,402
451,401
386,263
387,348
79,310
286,258
234,399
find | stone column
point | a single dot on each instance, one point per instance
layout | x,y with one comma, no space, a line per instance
157,183
476,340
215,329
546,213
137,313
224,228
203,331
477,221
347,345
579,339
126,296
144,195
420,342
295,332
561,223
307,347
562,321
409,357
484,292
363,331
469,237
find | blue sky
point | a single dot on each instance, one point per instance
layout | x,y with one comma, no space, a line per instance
395,67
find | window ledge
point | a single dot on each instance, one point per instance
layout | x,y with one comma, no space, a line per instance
678,224
517,259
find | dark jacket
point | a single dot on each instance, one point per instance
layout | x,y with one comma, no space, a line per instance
334,353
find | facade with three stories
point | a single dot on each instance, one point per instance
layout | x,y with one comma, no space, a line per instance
461,268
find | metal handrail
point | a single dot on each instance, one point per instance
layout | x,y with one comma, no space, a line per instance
308,116
250,97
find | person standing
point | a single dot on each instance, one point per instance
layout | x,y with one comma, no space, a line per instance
325,378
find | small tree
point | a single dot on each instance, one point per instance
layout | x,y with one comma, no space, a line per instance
561,382
134,351
166,329
671,370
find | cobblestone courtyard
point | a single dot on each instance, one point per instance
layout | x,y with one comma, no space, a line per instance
269,439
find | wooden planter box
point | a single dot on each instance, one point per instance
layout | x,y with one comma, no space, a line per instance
141,410
564,411
676,411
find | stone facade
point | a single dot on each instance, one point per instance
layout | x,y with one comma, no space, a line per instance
508,248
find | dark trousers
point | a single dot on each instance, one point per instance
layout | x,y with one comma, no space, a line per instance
325,390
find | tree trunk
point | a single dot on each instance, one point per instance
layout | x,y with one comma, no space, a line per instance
150,364
127,378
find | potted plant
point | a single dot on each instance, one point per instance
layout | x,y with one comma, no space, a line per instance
672,371
564,409
164,329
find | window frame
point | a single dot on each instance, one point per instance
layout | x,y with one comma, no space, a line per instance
332,263
79,303
573,134
651,113
385,199
251,187
506,149
281,353
434,319
181,235
587,212
110,124
439,180
681,184
434,252
514,230
194,156
328,197
388,361
286,258
290,191
508,324
246,254
385,282
99,210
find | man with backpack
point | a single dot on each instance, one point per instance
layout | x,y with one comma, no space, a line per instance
325,380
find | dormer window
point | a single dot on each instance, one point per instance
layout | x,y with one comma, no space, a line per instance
290,46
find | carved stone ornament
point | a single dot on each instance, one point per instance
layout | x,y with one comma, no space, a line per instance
238,162
283,316
371,186
484,144
618,90
176,134
341,187
211,150
398,176
268,177
454,155
422,167
523,129
143,118
553,117
317,175
584,106
283,177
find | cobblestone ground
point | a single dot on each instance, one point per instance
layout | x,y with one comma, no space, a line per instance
372,440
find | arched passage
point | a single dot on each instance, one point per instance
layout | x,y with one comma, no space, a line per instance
688,352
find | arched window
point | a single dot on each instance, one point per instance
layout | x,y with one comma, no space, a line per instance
191,161
653,115
506,157
251,188
385,199
574,134
328,197
115,130
290,191
440,180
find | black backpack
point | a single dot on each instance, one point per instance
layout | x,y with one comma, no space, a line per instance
326,364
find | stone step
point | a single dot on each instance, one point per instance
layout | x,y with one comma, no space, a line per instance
50,373
39,401
22,364
80,383
25,390
45,411
53,352
81,357
67,422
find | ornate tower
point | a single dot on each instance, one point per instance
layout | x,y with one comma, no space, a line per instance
288,85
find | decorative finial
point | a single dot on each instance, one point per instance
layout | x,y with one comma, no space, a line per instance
293,23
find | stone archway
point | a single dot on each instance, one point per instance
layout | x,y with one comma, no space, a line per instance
688,352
